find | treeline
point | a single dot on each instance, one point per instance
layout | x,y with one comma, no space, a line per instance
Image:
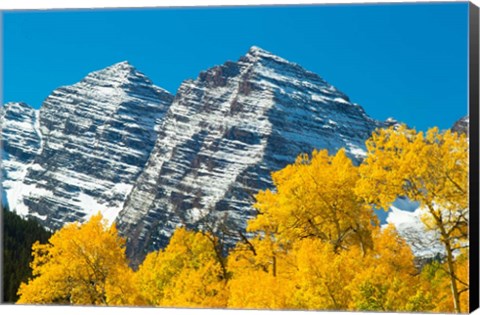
18,238
315,243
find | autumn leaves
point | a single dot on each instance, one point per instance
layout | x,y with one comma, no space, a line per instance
315,244
187,273
431,168
78,265
315,198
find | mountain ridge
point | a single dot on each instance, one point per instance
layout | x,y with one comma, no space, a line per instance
150,161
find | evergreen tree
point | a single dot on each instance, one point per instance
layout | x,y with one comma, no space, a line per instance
18,237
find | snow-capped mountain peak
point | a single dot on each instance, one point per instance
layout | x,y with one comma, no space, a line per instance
224,134
256,53
116,76
94,139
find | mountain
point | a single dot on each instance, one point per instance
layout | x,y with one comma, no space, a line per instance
461,125
224,134
151,161
82,151
21,142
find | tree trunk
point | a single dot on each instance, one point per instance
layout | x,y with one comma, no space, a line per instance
445,239
453,281
274,266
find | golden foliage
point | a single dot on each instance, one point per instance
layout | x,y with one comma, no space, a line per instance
262,261
315,243
436,282
187,273
387,279
76,266
322,276
315,198
309,274
430,168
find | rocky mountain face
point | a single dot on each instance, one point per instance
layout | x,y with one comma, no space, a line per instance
91,141
21,142
118,144
223,135
461,125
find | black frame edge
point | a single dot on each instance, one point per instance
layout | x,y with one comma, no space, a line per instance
474,155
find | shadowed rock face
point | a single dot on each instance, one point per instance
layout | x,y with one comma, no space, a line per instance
95,137
461,125
223,135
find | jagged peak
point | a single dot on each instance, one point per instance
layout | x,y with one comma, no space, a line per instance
465,119
21,105
17,108
118,74
123,67
256,53
392,122
257,50
461,125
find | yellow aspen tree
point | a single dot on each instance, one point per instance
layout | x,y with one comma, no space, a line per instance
261,275
76,266
322,276
431,168
315,197
122,289
462,274
386,279
317,246
434,280
187,273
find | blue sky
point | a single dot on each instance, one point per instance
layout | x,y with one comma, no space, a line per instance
407,61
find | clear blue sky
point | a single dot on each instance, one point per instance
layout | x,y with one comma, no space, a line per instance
408,61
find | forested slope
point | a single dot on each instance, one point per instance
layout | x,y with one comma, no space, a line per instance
18,237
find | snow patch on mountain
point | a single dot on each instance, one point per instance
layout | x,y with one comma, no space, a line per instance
21,142
423,242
